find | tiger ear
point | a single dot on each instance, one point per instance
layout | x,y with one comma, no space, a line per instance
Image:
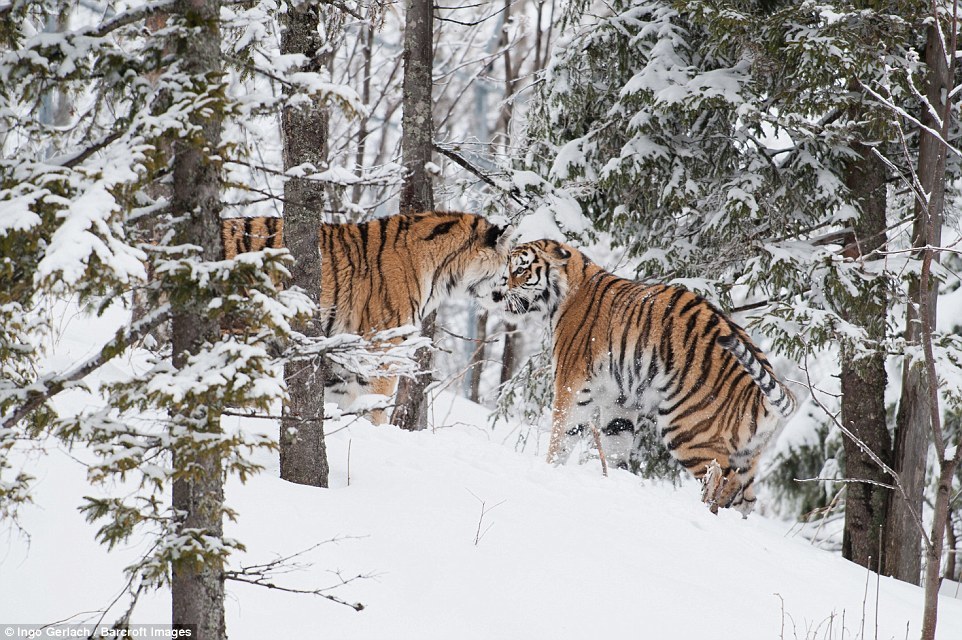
500,237
561,254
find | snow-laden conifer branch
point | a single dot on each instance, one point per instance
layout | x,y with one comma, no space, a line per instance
389,352
128,17
40,392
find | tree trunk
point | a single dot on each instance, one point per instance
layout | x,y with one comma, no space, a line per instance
362,131
417,122
303,453
198,590
933,555
478,356
863,379
417,192
951,541
509,356
913,422
931,175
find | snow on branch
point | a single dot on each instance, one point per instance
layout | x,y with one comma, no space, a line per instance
41,391
389,352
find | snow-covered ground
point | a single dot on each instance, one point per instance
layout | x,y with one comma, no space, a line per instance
455,534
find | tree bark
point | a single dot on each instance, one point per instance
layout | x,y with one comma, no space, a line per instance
478,356
913,421
863,379
951,541
417,192
198,591
417,122
303,452
941,83
933,555
509,355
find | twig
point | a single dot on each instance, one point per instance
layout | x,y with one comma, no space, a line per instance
867,451
484,511
259,581
261,575
512,193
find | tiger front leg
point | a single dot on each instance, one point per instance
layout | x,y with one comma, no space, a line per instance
571,416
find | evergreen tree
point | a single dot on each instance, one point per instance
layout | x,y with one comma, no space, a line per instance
162,104
731,147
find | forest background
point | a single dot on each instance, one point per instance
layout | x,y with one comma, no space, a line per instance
796,163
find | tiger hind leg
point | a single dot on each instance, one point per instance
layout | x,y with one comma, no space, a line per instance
354,393
713,483
573,411
744,500
731,487
386,387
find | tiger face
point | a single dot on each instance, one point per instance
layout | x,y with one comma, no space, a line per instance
484,276
536,282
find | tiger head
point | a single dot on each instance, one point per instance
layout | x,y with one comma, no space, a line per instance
537,279
478,270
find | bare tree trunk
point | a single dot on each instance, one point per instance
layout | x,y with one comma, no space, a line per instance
417,122
951,541
863,379
913,422
148,226
303,453
198,590
931,175
362,133
477,357
417,192
509,356
933,555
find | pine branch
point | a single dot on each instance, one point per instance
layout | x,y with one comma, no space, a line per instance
73,160
129,17
55,384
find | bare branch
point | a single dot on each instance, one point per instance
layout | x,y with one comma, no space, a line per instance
513,193
262,575
868,451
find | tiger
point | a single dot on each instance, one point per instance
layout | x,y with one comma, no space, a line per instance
391,272
242,235
649,354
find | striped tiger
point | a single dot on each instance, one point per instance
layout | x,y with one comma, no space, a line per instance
387,273
241,235
659,355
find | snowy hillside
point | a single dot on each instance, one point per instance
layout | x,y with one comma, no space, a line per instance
559,552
